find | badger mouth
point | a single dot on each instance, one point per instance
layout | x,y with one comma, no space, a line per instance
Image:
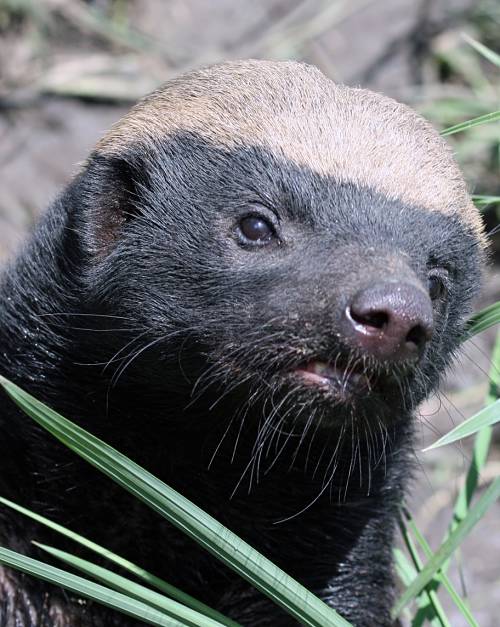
343,380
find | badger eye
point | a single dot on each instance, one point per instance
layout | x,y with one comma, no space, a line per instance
436,286
256,230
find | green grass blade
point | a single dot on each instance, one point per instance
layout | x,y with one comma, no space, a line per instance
479,454
483,50
88,589
434,608
407,573
448,547
441,577
464,126
131,589
494,374
483,438
214,537
486,417
158,583
482,320
480,450
405,570
482,201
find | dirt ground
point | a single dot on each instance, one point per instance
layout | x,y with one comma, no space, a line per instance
66,76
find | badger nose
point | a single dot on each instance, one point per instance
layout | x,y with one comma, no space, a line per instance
390,321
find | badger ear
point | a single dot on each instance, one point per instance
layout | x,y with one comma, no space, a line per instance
105,198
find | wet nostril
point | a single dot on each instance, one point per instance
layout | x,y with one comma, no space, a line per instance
392,321
417,335
375,319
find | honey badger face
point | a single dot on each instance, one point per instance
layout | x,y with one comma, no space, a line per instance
256,271
314,245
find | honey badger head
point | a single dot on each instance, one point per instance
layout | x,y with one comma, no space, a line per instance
295,245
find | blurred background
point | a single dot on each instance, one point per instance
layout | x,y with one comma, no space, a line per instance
70,68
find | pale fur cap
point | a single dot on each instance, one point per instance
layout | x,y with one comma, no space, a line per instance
293,110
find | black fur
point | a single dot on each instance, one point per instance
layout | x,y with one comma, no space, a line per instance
135,311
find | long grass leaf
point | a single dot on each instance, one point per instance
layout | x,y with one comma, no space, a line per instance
435,608
479,457
407,573
193,521
475,514
404,569
130,588
482,201
487,416
483,50
88,589
482,320
480,450
464,126
441,577
146,576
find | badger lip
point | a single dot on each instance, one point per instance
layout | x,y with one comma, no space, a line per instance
340,379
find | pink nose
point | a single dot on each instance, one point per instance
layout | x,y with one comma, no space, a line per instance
390,321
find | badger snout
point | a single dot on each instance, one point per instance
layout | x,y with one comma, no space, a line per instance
390,321
379,338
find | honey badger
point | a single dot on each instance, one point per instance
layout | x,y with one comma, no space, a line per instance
249,287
